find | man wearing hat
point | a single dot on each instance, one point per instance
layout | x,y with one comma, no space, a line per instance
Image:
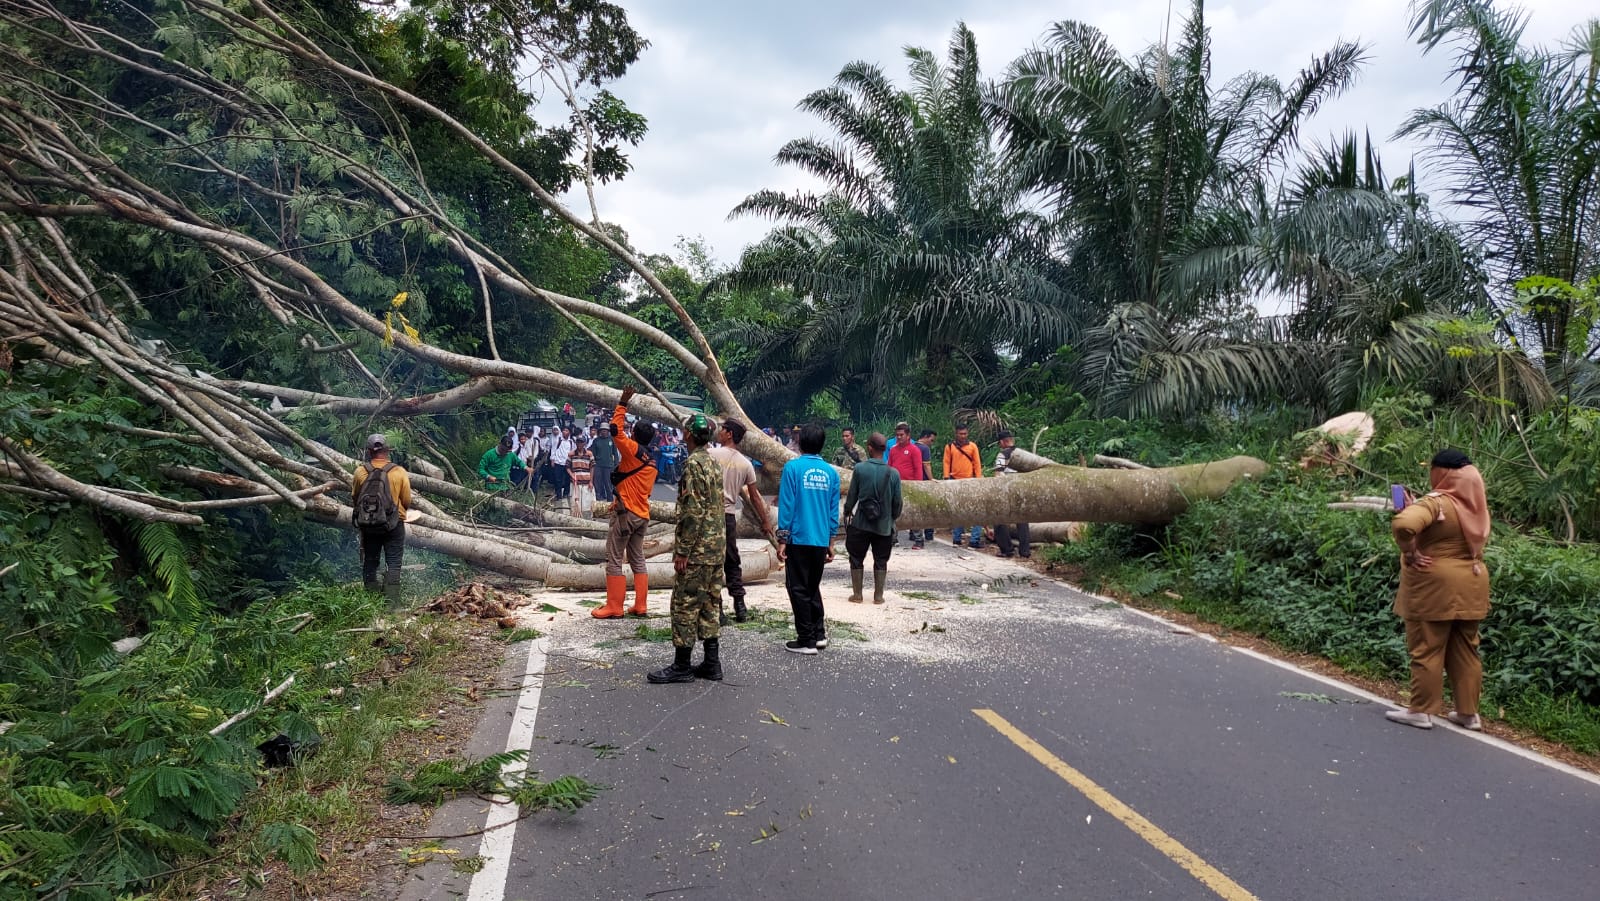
390,541
1005,532
494,467
697,557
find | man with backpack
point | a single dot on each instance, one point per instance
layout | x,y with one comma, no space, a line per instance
871,506
633,481
379,515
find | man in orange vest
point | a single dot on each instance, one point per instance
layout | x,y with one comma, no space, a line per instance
961,461
633,480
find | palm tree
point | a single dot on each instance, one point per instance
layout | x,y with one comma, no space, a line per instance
1519,143
1377,289
917,245
1143,160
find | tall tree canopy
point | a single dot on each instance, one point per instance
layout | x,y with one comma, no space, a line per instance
919,249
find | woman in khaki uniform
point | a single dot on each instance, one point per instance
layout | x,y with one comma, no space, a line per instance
1444,591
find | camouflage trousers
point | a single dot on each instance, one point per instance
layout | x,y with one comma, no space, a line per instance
696,599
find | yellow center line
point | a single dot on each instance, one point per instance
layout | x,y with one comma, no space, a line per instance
1209,876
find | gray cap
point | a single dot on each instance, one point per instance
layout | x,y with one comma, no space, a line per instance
376,442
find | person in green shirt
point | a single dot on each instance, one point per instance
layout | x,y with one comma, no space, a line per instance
871,506
495,466
605,460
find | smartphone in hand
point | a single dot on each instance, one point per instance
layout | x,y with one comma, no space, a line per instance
1397,494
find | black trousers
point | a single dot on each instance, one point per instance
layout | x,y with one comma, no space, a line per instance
732,566
803,578
391,544
602,485
858,541
1003,534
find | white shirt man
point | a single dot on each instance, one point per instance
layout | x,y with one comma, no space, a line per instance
561,450
738,483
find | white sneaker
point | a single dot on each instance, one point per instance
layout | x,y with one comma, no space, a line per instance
1468,721
822,643
1420,720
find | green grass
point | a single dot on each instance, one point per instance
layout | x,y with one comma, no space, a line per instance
330,791
1272,561
647,632
767,622
837,629
512,636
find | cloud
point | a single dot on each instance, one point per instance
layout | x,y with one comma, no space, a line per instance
720,82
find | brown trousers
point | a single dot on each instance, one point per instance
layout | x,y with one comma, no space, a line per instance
626,538
1440,647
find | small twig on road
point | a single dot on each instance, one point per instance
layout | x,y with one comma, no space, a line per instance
667,891
726,756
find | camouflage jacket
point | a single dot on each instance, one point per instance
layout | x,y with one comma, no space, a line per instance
700,535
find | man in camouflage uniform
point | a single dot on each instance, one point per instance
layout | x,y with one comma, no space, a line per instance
699,545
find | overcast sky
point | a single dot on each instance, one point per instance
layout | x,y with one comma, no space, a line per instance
721,79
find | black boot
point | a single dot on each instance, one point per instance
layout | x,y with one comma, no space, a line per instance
679,671
711,667
740,614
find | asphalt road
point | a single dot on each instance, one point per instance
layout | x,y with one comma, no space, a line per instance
865,772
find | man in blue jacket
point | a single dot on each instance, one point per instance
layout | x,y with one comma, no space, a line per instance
808,515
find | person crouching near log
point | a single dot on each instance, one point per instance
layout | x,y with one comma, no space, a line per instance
871,507
633,480
1444,591
379,515
699,542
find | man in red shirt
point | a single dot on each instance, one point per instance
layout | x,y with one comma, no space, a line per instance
906,458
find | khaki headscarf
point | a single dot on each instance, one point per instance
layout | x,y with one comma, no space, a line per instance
1464,486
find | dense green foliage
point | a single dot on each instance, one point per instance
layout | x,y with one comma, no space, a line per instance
1115,247
1176,241
1271,558
110,773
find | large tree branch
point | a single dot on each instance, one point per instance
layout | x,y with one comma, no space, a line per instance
26,466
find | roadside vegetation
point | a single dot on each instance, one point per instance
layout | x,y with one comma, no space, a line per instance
236,237
1271,559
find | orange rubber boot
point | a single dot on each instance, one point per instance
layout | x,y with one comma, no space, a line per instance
641,587
616,590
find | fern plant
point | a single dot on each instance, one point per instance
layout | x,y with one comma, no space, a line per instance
178,599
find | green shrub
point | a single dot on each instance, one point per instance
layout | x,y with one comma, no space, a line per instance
111,774
1272,559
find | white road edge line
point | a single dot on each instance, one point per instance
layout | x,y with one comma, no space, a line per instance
1362,693
500,831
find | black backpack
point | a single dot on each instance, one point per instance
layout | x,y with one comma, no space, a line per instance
375,509
870,506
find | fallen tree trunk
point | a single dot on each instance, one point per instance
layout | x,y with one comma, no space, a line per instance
757,557
1053,492
1074,493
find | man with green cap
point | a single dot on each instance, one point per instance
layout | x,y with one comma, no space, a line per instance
698,548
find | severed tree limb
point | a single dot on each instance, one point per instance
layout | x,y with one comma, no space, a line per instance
250,711
44,475
1117,462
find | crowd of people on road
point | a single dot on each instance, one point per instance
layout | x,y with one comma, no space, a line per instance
1442,599
571,461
